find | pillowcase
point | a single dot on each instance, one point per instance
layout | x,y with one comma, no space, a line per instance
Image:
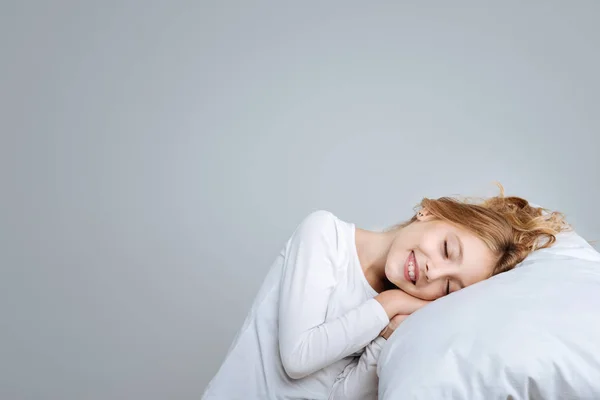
530,333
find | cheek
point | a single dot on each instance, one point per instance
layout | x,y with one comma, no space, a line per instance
430,292
433,291
484,273
406,242
430,242
394,269
394,265
394,251
481,270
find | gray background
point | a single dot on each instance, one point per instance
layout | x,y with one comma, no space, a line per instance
155,156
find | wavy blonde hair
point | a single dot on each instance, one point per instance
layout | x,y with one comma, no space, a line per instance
509,226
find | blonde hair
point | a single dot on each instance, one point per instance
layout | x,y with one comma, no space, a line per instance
509,226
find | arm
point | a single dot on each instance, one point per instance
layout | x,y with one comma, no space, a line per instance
307,343
396,302
359,381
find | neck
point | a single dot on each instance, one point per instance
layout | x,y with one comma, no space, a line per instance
373,249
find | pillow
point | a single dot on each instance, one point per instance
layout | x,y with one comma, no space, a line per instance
530,333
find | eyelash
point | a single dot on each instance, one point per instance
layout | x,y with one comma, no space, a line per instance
446,254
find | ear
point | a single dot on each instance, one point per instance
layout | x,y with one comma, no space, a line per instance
424,215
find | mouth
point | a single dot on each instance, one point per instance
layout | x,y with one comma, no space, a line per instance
411,268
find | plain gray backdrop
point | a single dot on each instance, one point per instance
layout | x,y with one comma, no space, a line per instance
155,156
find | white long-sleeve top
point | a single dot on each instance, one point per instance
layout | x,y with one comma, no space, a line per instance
312,331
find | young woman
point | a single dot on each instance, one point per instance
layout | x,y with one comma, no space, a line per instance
335,293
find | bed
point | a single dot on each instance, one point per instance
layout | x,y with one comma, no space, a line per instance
531,333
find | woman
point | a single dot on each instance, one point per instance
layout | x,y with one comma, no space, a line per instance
336,293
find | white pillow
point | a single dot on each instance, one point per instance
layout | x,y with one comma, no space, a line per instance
530,333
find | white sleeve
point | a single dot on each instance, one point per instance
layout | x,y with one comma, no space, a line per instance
359,379
307,343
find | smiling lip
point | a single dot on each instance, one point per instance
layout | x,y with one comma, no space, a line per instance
411,257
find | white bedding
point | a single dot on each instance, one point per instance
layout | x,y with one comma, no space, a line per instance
531,333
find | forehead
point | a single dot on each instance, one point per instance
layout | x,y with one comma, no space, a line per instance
477,257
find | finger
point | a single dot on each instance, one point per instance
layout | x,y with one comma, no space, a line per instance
396,321
399,317
386,332
413,304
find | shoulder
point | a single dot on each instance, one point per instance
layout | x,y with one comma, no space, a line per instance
321,227
322,236
319,222
319,217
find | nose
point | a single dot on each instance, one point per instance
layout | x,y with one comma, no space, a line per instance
432,272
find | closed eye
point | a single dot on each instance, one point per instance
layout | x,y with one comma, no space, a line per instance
446,248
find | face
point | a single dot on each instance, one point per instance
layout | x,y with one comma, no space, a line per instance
431,258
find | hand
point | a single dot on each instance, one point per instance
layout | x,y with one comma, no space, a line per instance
394,323
396,302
